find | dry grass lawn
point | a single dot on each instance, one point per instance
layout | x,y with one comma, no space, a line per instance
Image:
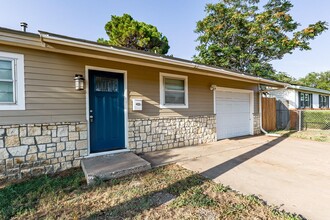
311,134
169,192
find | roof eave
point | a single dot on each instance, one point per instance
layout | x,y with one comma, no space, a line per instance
48,38
308,89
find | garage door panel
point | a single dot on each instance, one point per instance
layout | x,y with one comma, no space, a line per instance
233,114
230,107
233,96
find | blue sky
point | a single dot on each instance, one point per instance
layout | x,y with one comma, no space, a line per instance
176,19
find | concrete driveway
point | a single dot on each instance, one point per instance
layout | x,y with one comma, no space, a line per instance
287,172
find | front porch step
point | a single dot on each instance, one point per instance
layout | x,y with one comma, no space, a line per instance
113,166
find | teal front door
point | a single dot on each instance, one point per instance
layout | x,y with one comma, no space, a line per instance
106,111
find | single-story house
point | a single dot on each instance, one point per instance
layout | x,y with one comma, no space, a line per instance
63,99
302,97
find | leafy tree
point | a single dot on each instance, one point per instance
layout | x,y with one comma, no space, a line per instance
284,77
317,80
126,32
239,35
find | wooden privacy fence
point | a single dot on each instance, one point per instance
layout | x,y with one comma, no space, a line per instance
294,120
269,114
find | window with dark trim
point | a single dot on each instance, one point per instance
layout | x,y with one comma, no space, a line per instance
324,101
305,100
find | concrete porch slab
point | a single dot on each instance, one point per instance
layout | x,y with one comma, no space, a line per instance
113,166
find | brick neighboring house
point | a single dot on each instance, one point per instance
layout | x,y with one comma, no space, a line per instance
121,100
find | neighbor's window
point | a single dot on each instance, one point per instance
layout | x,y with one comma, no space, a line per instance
324,101
305,100
173,91
11,81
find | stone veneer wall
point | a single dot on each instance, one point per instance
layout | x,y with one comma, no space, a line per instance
34,149
256,124
151,134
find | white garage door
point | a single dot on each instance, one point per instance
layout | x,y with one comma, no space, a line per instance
233,114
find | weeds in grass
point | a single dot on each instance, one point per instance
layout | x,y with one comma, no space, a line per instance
284,215
235,209
321,138
97,182
182,186
253,199
194,198
222,188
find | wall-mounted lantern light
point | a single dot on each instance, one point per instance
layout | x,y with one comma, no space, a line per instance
79,82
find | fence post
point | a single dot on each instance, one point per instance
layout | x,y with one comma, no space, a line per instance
299,116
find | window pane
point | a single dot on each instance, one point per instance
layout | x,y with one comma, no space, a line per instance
5,74
174,97
174,84
5,64
307,101
105,84
302,100
306,97
5,69
6,92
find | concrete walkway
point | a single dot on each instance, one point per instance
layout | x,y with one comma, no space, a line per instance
291,173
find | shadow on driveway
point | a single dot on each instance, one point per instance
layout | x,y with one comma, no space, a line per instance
222,168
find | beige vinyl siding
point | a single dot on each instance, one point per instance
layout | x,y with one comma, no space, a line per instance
50,94
49,91
146,86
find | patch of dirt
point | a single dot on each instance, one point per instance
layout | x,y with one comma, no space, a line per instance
135,183
207,214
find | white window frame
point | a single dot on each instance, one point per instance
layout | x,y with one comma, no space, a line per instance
18,78
162,90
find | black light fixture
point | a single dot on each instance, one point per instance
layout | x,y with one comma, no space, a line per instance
79,82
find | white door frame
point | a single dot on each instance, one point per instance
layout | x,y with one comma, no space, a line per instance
124,72
225,89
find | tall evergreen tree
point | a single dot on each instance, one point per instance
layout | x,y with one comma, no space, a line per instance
126,32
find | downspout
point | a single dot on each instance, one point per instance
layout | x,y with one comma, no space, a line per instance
260,113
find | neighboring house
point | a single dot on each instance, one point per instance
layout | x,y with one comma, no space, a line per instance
130,100
302,97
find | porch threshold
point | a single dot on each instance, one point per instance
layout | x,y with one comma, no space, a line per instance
107,153
113,166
